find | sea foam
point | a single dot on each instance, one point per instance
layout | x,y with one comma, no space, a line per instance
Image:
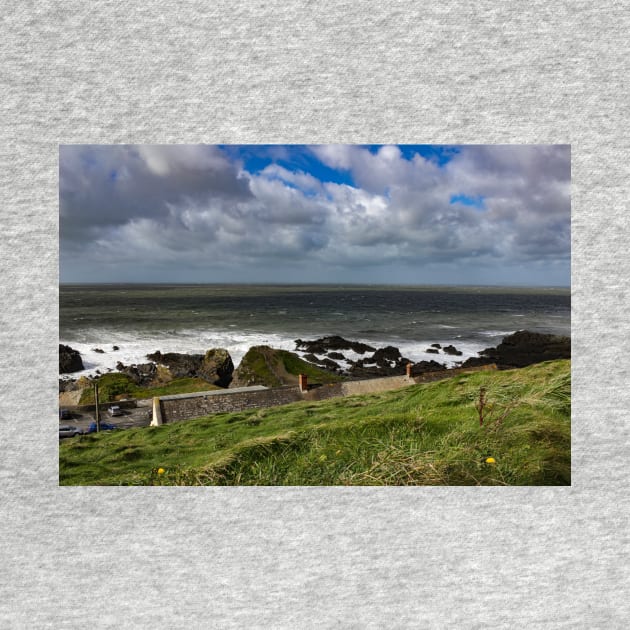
133,348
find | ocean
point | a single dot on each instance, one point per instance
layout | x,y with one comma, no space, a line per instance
141,319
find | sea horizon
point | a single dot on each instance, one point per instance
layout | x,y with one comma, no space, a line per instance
322,284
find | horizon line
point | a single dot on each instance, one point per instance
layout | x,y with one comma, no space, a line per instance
317,284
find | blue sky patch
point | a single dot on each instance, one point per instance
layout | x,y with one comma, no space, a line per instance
293,157
439,154
474,201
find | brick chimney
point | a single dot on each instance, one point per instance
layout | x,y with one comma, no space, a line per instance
303,382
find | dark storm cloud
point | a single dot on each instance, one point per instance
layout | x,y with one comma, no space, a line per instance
103,186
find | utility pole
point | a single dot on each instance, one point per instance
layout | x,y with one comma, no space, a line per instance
97,415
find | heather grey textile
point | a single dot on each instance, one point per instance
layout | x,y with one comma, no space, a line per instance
298,72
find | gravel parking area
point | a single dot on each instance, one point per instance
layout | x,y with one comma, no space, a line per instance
139,416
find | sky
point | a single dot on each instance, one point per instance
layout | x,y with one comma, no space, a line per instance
356,214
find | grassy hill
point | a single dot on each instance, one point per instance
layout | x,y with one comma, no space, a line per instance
426,434
270,367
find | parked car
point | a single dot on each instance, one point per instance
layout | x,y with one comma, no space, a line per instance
64,414
66,430
115,410
105,426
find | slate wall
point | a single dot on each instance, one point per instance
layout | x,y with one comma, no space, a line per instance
178,409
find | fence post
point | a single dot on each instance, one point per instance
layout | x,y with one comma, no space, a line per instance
97,415
303,382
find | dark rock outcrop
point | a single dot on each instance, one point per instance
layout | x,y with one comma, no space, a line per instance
432,351
69,360
67,385
180,365
331,365
143,374
311,358
217,367
476,362
452,350
524,348
384,362
334,342
384,357
426,366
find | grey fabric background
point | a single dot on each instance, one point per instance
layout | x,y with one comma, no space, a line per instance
296,72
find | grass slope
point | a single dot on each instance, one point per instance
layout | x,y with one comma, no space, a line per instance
421,435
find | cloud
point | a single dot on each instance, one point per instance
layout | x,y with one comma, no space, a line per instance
198,209
105,186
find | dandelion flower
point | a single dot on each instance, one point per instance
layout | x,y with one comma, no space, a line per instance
491,460
160,471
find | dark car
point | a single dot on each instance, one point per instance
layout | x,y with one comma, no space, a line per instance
105,426
64,414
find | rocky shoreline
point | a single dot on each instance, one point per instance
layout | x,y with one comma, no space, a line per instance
334,354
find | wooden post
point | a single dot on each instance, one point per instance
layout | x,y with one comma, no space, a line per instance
303,382
97,415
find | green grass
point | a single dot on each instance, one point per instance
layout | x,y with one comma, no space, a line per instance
294,365
271,367
114,386
421,435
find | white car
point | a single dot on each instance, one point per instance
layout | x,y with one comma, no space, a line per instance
66,430
115,410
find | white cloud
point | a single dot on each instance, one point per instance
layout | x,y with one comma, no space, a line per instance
195,208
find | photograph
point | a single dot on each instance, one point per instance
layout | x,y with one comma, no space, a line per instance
332,301
315,315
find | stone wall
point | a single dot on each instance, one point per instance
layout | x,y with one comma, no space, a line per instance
375,385
188,406
324,392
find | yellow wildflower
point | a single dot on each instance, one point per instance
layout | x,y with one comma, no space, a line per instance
491,460
160,471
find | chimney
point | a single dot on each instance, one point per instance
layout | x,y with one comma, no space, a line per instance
302,382
408,369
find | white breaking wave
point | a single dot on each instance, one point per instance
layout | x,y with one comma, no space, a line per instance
133,347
